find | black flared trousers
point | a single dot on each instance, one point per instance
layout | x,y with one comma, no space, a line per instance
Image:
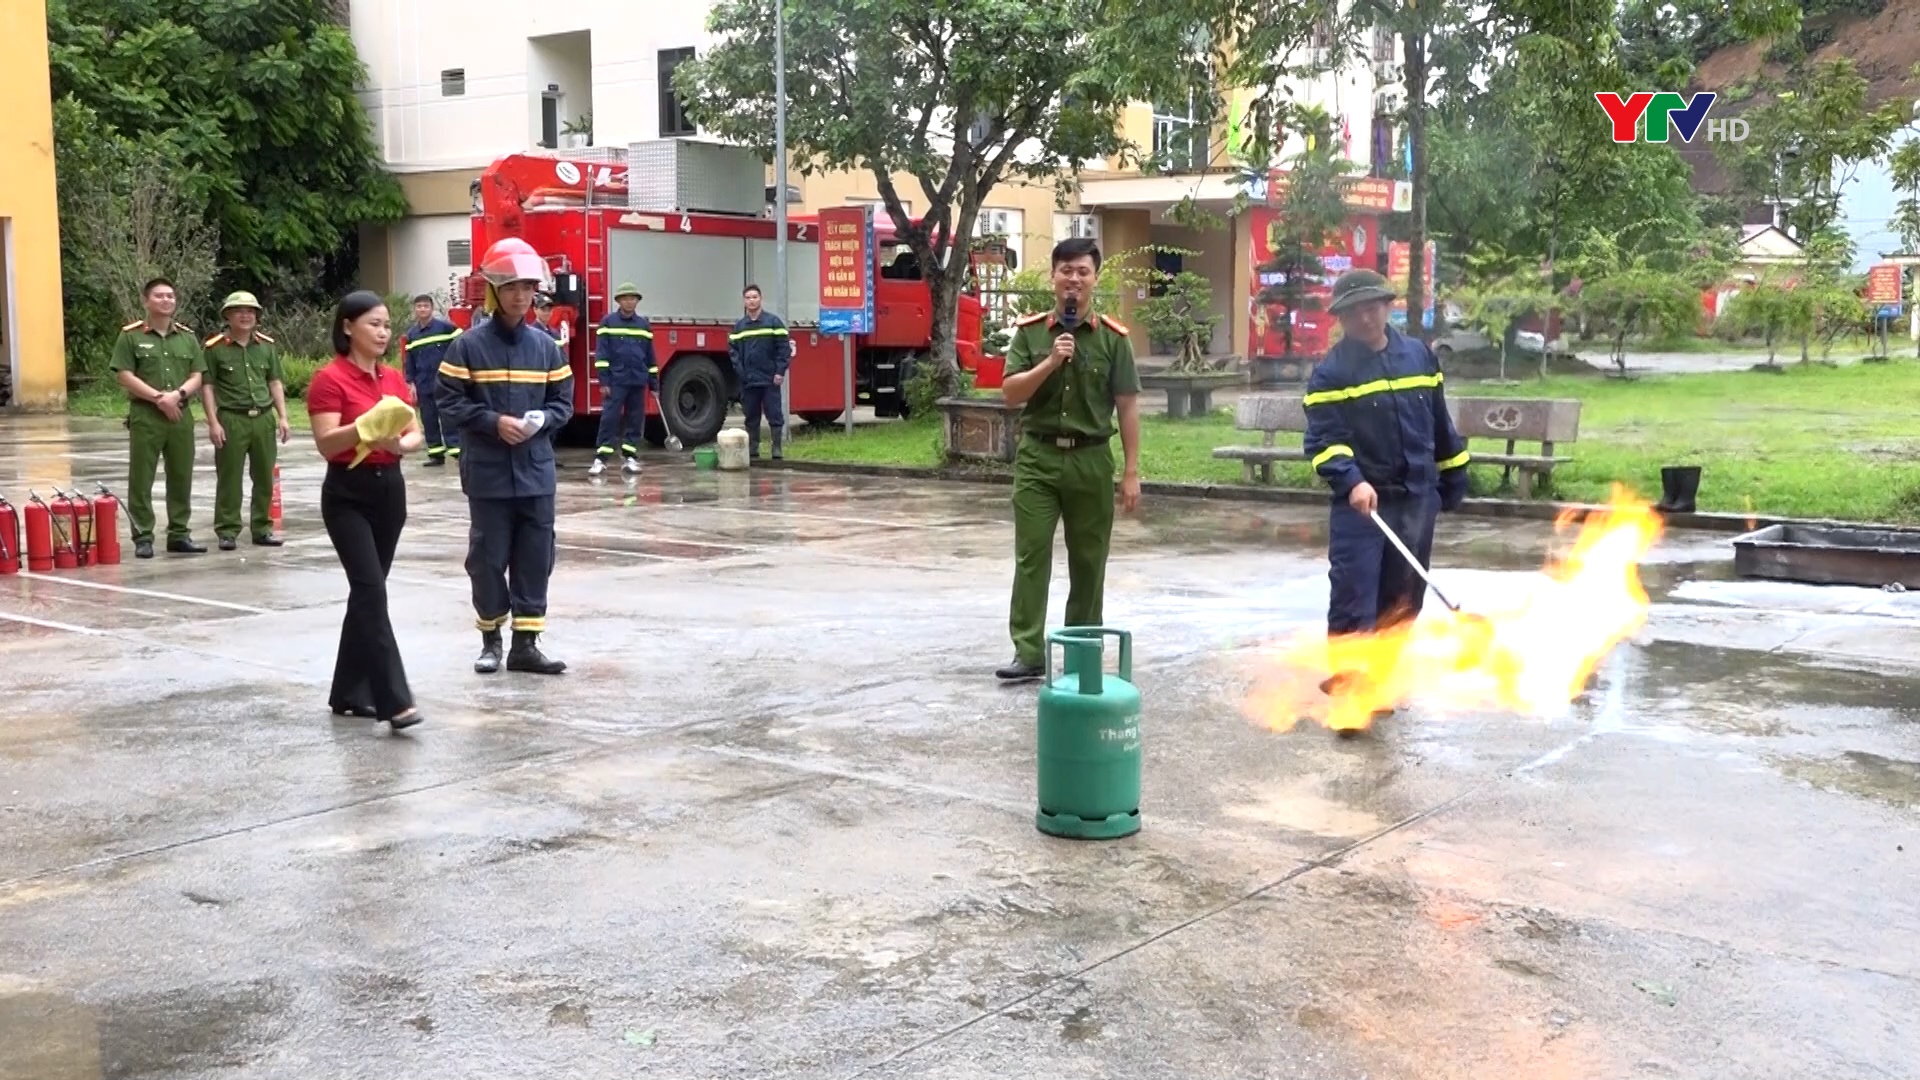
364,510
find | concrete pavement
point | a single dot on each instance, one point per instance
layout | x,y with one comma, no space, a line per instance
777,819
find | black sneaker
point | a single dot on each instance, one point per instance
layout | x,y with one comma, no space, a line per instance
186,547
228,543
1020,671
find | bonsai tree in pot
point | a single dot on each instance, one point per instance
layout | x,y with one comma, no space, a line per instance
1182,316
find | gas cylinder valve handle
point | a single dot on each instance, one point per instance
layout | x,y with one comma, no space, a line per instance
1072,636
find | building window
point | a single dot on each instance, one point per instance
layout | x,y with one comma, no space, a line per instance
1383,50
1076,227
673,111
1179,136
453,82
459,253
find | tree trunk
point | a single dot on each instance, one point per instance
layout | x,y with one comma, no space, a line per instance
1416,54
943,292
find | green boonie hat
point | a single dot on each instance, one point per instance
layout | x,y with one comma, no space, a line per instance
627,288
1358,287
239,299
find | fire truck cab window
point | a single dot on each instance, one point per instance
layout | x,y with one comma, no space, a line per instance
904,265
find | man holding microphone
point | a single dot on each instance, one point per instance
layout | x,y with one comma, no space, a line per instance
1073,371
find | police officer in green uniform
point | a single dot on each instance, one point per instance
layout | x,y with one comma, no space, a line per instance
246,401
159,363
1073,371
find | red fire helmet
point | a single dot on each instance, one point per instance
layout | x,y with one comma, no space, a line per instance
512,259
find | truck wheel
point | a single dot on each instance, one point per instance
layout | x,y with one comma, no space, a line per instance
694,399
822,418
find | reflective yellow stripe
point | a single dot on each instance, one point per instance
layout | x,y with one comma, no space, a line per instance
452,370
491,624
1455,461
1331,452
1378,386
529,624
559,374
434,340
625,331
602,364
778,331
504,375
654,370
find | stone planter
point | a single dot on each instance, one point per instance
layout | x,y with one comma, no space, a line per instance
1281,370
1190,394
980,428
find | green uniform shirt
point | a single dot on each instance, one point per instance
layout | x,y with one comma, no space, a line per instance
1077,400
162,362
241,373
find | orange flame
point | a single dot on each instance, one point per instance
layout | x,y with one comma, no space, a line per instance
1531,654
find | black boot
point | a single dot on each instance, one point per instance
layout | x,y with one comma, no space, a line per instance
489,661
1679,485
526,656
779,435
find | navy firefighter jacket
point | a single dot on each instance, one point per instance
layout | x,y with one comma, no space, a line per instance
1382,417
426,347
760,348
623,351
505,370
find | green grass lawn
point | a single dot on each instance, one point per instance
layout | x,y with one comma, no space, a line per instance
108,400
1811,442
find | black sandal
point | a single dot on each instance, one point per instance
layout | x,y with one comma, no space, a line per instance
400,723
364,712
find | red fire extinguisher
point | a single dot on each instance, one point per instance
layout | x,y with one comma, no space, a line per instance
39,521
9,538
106,528
66,549
80,535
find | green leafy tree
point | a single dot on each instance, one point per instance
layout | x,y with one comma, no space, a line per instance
1311,213
1770,307
1808,139
1904,166
958,96
1652,289
1178,312
252,102
1498,296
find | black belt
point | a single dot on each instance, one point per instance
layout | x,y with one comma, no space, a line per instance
1071,442
251,413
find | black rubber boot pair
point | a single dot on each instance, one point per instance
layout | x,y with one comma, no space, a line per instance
1679,486
524,656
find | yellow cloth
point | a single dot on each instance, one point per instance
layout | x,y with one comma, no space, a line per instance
388,418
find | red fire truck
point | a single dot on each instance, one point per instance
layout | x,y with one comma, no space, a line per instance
686,222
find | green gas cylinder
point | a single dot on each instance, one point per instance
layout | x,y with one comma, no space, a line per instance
1089,739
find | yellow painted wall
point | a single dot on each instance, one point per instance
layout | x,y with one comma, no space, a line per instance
33,323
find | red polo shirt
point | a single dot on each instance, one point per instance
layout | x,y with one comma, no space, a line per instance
341,387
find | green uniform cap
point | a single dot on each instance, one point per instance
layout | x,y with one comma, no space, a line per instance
239,299
627,288
1358,287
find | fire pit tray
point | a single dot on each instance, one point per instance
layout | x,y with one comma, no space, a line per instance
1830,555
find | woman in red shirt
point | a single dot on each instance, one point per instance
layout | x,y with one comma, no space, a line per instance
364,507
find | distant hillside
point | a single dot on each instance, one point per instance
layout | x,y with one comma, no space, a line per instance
1884,46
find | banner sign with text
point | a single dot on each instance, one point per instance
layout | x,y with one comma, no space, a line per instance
846,270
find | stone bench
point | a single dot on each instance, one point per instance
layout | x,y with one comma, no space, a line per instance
1547,421
1190,393
1270,415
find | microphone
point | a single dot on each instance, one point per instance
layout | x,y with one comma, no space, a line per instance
1070,313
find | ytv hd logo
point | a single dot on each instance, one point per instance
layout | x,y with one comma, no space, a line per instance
1667,110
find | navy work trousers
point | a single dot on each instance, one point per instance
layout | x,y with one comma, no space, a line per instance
1373,588
439,443
623,409
753,401
510,555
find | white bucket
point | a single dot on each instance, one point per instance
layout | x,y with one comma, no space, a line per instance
733,450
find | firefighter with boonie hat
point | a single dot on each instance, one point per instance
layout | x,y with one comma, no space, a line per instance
623,360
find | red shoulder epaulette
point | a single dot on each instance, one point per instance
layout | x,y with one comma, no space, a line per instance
1115,325
1029,320
264,338
212,341
137,324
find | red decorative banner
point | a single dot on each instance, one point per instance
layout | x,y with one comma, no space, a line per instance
1883,284
844,257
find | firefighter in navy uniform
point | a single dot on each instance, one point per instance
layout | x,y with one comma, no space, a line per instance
508,390
624,360
1379,434
423,347
760,349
